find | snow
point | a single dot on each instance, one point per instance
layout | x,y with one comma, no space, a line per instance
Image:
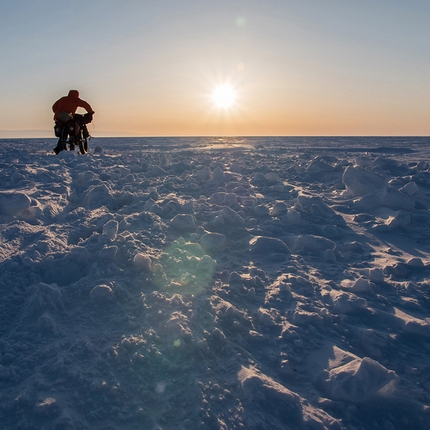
205,283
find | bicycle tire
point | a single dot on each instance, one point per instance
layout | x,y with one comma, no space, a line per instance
83,146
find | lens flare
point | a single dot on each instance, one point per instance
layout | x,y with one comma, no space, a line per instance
183,268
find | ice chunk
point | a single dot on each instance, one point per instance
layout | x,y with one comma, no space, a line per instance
329,256
272,396
411,188
142,261
293,216
183,223
99,195
357,380
415,262
279,209
308,243
156,172
347,303
110,229
271,178
213,241
46,323
43,297
374,274
362,285
261,211
399,220
231,217
396,200
319,166
218,174
218,198
359,181
262,245
230,199
13,203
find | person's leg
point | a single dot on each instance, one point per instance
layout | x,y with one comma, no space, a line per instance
60,132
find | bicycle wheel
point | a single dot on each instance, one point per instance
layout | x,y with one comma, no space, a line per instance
83,146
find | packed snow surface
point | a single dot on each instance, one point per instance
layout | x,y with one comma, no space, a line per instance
208,283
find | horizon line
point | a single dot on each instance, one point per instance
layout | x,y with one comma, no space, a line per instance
47,134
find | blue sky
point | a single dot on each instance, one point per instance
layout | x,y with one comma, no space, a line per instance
308,67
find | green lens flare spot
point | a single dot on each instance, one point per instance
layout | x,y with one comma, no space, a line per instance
184,268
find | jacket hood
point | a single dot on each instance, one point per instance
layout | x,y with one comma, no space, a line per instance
74,93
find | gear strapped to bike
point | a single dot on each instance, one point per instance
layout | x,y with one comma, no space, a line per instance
72,131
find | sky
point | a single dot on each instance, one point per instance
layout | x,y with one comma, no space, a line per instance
150,68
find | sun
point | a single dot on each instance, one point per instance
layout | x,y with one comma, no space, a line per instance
224,96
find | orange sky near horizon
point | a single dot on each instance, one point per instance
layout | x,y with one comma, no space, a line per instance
307,68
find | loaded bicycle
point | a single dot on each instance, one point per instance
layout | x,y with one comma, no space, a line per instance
73,133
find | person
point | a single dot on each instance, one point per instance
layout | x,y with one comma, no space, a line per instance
69,105
64,111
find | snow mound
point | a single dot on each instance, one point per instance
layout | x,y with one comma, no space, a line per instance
43,298
13,203
348,303
359,181
183,223
142,261
284,408
270,395
267,245
213,242
99,195
311,244
358,380
110,229
411,189
229,217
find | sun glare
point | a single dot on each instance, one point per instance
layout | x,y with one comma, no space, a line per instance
224,96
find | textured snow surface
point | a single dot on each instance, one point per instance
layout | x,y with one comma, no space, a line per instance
204,283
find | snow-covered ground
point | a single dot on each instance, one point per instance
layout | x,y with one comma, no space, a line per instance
203,283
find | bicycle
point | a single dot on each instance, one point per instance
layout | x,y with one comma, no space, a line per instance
73,133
